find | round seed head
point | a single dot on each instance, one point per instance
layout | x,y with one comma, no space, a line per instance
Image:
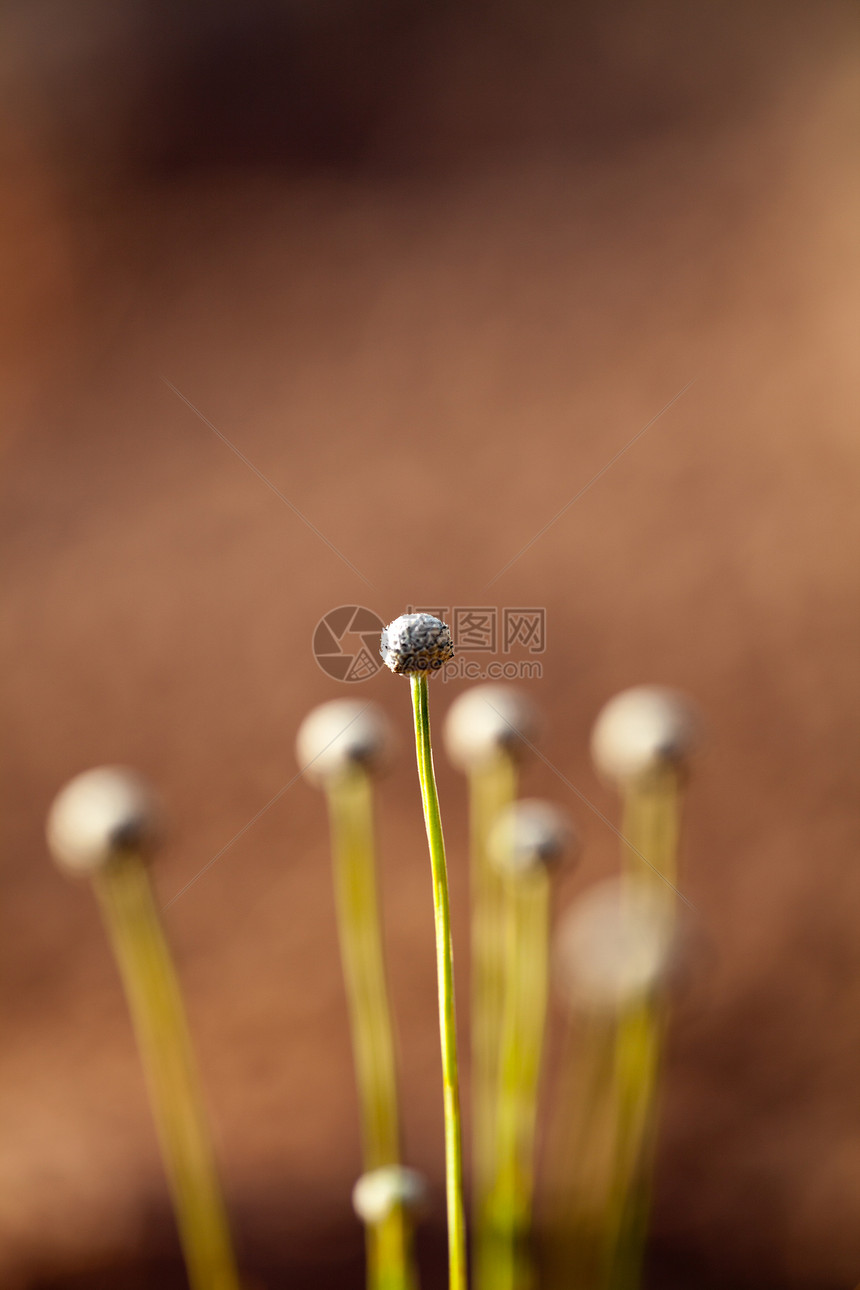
99,816
377,1193
340,736
487,721
642,731
529,836
615,944
416,643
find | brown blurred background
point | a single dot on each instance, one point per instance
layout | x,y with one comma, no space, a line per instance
429,268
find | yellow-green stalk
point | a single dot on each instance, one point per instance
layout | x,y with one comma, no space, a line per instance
613,951
415,645
389,1201
340,745
641,741
486,731
526,843
103,825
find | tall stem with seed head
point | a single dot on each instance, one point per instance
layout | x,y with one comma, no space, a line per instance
445,977
339,746
103,825
642,740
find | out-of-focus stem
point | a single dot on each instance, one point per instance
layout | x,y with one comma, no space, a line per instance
508,1265
492,788
650,827
155,1003
580,1153
390,1257
350,806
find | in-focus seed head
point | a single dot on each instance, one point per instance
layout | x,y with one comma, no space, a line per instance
100,815
531,835
615,945
377,1193
642,731
340,736
486,721
416,643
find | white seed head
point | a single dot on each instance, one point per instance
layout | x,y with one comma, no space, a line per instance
615,944
100,815
643,730
377,1193
530,835
340,736
486,721
416,643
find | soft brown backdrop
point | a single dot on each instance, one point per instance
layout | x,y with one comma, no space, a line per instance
429,271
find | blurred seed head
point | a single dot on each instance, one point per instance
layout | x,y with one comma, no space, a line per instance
100,815
340,736
531,835
643,730
487,721
377,1193
416,643
615,944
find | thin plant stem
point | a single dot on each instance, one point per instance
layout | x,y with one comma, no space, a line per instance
350,802
351,818
650,826
445,975
492,788
391,1256
526,907
637,1068
125,896
581,1153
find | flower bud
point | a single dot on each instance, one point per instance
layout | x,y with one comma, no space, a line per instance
615,944
642,731
486,721
416,643
100,815
530,835
340,736
377,1193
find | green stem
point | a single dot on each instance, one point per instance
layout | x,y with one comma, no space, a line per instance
581,1148
637,1068
351,817
390,1261
155,1003
526,980
650,827
492,787
445,975
391,1257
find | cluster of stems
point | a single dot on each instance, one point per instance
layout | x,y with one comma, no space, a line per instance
610,1070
